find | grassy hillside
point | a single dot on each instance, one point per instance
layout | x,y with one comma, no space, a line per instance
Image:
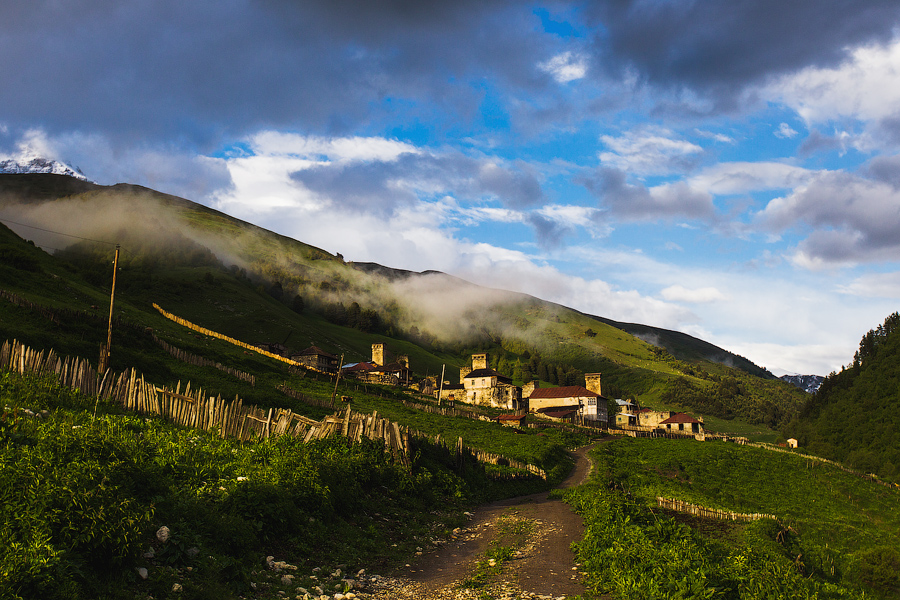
835,534
243,281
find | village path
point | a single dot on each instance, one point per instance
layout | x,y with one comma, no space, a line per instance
543,567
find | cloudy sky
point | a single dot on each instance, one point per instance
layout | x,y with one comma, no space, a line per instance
726,169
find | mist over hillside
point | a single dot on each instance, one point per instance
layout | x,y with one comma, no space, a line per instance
162,235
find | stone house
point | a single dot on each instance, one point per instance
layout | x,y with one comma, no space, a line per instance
317,358
682,422
376,371
588,402
647,417
486,387
792,443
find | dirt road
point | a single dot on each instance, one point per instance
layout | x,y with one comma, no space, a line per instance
529,538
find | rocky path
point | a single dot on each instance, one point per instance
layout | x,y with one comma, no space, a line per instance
514,548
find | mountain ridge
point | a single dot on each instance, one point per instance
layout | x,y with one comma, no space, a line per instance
172,243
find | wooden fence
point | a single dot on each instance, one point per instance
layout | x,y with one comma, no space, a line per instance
709,513
230,340
230,418
200,361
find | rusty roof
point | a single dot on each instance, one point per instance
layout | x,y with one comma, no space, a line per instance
570,391
679,418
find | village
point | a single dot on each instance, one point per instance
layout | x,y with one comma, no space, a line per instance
479,385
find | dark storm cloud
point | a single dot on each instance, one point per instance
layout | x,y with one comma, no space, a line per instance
193,72
718,48
383,187
200,69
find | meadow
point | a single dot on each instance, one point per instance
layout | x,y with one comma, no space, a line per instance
835,534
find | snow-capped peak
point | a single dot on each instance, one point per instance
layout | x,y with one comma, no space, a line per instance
40,165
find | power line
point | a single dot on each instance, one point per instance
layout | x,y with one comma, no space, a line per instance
58,232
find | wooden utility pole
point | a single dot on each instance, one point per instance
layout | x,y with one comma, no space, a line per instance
104,355
441,388
336,379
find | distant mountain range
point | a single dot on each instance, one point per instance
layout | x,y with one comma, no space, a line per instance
808,383
40,165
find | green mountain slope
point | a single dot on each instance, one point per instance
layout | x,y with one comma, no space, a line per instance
239,279
855,415
688,348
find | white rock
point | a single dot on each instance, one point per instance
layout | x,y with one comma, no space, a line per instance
142,572
162,534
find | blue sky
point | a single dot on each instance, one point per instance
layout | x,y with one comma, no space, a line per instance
729,170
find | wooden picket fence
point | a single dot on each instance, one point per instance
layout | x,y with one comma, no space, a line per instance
194,408
200,361
709,513
230,418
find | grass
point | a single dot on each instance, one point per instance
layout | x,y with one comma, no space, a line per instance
835,533
81,500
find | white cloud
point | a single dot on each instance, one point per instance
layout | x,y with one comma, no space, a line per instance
719,137
802,359
679,293
785,131
878,285
649,151
745,177
863,87
275,143
853,219
565,67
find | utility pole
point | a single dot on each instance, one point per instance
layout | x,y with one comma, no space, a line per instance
336,379
104,355
441,388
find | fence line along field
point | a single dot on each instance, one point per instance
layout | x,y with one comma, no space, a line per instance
232,418
709,513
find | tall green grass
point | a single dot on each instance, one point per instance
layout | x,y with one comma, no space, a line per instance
836,534
81,497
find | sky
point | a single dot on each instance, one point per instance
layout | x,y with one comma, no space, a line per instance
726,169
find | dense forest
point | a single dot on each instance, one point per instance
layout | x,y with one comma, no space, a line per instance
855,415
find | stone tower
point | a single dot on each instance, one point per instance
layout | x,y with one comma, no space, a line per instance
592,383
479,361
378,354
